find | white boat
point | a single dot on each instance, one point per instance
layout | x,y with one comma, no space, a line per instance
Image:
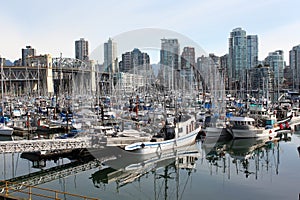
5,130
246,127
177,132
216,129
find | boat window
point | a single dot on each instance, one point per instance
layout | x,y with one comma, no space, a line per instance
180,130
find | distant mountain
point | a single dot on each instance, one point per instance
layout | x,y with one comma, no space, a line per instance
8,63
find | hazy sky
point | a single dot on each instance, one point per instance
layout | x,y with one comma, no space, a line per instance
53,26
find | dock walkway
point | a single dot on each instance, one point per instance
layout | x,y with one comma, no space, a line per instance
44,145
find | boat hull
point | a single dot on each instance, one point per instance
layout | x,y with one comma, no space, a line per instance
253,133
7,131
215,132
154,147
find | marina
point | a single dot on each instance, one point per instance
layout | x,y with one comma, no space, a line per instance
76,128
162,141
230,166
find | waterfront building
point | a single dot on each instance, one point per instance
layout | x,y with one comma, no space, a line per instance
125,65
212,71
82,49
237,55
294,59
169,53
261,81
110,56
188,63
288,82
134,61
252,51
140,60
276,62
169,61
224,67
237,58
243,55
27,52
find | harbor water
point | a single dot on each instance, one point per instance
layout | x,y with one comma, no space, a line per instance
213,168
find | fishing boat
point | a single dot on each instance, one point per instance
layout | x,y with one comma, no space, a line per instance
5,130
216,129
178,131
247,127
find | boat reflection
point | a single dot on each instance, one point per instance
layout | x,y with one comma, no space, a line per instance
242,156
129,167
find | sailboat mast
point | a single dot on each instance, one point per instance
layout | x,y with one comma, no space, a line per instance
2,101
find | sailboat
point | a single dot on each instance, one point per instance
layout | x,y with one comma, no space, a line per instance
4,130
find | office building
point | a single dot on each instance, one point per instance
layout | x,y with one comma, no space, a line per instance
294,59
252,51
82,50
188,63
169,61
237,57
110,56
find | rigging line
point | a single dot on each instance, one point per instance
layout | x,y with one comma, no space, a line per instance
189,175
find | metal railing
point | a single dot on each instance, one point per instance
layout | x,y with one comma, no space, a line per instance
23,191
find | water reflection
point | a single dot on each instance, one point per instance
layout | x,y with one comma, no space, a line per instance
112,172
115,165
129,167
246,156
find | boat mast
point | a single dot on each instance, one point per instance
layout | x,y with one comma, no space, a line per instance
2,97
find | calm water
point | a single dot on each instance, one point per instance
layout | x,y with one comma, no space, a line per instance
214,169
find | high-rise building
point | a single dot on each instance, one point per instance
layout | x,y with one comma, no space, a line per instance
289,81
110,56
125,65
188,63
134,61
27,52
276,62
224,68
243,55
82,49
252,51
294,58
237,57
261,81
169,53
169,61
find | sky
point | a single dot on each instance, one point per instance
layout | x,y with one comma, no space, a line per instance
53,26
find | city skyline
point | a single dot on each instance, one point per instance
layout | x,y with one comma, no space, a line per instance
52,27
